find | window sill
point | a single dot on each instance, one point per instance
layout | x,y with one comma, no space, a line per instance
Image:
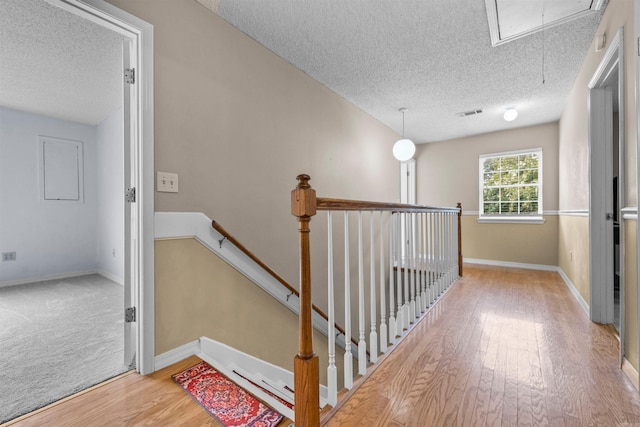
511,220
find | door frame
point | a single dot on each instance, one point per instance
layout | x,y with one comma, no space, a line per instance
142,147
600,191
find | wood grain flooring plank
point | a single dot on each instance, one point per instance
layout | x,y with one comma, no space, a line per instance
503,347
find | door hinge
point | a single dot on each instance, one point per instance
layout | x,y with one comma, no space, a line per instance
608,216
130,75
130,314
130,195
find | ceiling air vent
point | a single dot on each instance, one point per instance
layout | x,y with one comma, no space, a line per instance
469,113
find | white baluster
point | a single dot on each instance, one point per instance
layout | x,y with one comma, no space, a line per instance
412,268
423,261
392,291
332,372
383,297
362,343
348,356
416,262
406,311
373,333
399,265
432,289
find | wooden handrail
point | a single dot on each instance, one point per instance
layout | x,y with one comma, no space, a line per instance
275,275
327,204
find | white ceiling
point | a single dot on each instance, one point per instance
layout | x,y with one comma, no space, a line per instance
56,64
432,56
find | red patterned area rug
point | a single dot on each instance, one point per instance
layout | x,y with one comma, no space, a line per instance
228,403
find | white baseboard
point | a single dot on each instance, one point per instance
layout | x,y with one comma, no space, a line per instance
631,373
45,278
565,278
574,292
112,277
511,264
177,354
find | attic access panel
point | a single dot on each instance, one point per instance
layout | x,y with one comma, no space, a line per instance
512,19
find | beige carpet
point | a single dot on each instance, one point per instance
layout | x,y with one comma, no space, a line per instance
57,338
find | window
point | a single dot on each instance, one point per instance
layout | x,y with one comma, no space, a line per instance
511,184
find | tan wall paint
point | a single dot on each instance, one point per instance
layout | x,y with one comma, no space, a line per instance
503,242
574,123
631,294
447,171
238,123
198,294
574,238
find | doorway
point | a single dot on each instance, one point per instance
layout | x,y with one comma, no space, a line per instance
607,185
136,113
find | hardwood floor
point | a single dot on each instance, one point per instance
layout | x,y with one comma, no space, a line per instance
131,400
503,347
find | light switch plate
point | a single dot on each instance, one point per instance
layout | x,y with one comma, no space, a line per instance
167,182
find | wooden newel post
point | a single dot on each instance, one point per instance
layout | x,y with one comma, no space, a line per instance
305,364
459,206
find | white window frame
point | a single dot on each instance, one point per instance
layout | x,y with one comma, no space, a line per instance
520,219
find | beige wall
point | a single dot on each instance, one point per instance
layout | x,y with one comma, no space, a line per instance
631,294
198,294
447,173
574,169
574,130
504,242
238,124
573,251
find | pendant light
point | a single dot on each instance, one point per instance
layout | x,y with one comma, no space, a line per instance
403,149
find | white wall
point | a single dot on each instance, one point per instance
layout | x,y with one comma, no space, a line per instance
110,181
53,238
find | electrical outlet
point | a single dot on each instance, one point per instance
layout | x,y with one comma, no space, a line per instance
8,256
167,182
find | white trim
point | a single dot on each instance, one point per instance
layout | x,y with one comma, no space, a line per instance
574,291
601,268
574,212
172,225
511,219
227,359
494,25
112,277
583,304
59,276
177,354
141,35
477,213
631,373
510,264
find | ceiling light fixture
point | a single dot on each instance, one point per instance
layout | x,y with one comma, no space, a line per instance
511,114
403,149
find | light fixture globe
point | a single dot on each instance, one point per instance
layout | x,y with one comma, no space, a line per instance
511,114
404,149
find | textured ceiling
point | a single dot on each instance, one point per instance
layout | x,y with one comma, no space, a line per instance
432,56
57,64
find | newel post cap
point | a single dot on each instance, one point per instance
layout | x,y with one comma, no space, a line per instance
303,198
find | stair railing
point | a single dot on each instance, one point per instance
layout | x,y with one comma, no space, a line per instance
414,259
